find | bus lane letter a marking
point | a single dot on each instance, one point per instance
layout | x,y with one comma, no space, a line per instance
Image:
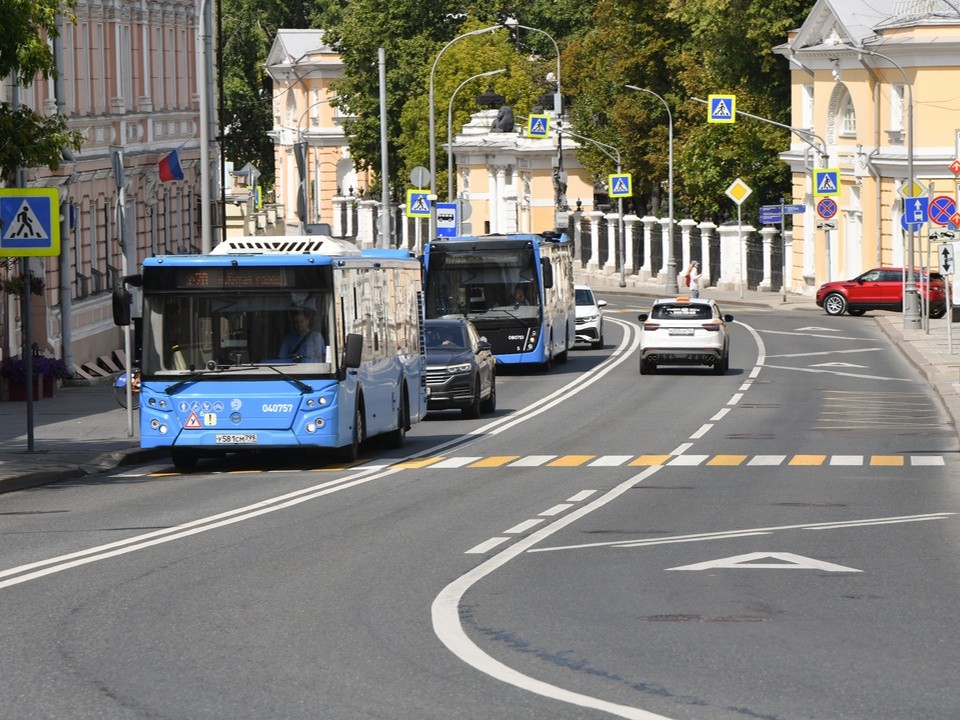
25,225
785,561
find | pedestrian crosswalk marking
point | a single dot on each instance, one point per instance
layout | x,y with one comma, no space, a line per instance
683,460
25,225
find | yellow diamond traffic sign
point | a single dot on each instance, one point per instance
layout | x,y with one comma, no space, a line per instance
738,191
918,189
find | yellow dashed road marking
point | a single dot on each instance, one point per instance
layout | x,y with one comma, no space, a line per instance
647,460
730,460
495,461
886,460
808,460
571,460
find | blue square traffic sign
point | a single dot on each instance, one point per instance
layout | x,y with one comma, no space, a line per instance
29,222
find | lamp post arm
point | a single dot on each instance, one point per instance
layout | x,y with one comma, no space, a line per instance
804,135
488,73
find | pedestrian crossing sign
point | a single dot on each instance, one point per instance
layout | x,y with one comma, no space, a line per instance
721,108
29,222
619,185
538,126
418,203
826,182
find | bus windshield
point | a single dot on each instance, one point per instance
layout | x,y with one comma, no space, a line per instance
224,330
494,282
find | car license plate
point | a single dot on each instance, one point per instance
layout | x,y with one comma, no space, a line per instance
236,439
681,331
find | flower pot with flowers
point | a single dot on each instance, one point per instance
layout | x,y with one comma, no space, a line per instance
47,371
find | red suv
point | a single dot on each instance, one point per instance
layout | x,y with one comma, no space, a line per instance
880,289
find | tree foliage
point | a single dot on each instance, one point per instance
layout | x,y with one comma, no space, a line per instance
30,139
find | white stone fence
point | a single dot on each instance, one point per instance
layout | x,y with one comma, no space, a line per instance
722,250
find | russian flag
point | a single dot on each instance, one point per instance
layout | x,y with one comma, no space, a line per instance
170,167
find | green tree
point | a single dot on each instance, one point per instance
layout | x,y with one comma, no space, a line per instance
30,139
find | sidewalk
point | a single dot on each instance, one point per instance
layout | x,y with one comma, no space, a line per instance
84,431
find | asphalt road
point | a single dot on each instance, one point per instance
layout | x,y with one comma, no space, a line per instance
779,542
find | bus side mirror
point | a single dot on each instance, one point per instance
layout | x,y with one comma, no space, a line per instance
121,305
547,272
354,351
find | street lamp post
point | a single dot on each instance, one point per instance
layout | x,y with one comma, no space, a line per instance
432,125
604,147
450,129
672,287
911,302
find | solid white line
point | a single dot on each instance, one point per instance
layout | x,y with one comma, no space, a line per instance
447,626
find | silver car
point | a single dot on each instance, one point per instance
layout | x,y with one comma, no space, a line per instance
589,317
684,331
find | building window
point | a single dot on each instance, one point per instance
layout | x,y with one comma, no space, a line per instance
806,120
896,107
848,118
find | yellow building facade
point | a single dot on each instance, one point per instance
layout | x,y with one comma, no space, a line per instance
873,97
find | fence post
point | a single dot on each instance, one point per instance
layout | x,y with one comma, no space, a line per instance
767,234
646,270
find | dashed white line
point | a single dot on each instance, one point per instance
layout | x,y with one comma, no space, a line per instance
610,460
556,510
532,461
486,546
524,526
581,496
704,429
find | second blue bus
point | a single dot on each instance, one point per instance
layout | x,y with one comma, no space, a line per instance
517,289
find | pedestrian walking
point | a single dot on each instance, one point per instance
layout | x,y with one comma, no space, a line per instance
691,278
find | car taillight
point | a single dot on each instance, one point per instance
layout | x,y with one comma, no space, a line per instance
711,327
651,326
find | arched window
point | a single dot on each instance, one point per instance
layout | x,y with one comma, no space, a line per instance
848,117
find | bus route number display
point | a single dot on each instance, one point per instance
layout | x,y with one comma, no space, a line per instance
263,277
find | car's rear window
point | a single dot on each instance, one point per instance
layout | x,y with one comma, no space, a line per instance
681,312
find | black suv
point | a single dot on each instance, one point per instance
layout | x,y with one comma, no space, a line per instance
461,369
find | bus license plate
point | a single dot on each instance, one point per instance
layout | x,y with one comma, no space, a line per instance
236,439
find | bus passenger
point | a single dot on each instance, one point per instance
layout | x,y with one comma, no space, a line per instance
303,344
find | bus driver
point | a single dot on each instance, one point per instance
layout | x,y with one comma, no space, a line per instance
303,344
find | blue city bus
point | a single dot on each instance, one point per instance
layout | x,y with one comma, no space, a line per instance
214,376
517,289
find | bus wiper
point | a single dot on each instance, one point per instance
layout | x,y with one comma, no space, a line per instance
173,389
301,386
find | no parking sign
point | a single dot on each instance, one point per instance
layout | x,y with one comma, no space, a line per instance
942,209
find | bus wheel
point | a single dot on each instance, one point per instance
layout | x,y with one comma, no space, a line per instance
183,459
351,452
396,438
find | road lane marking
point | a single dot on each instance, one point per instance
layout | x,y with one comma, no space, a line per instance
494,461
556,510
807,460
524,526
487,546
787,561
570,460
610,460
454,462
727,460
532,461
702,431
886,461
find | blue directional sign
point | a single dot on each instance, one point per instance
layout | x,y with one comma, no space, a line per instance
418,203
538,126
29,222
770,215
446,219
915,210
721,108
798,209
620,185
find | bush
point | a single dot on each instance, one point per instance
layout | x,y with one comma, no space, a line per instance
14,369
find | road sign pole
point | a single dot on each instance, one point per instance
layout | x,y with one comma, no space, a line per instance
783,253
740,248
